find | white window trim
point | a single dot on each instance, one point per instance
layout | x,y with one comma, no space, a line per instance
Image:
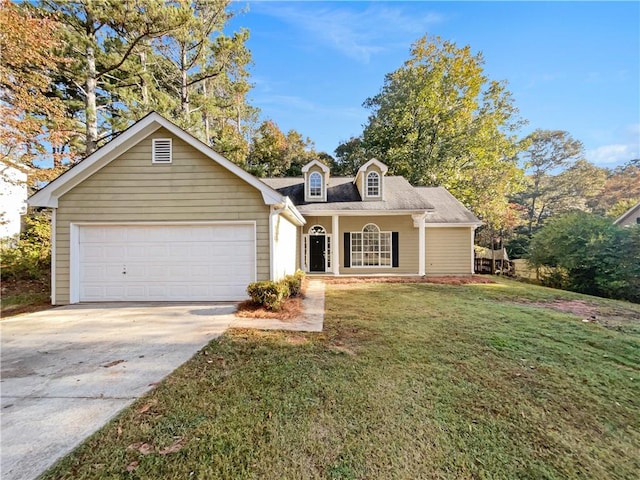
153,151
380,232
321,194
366,184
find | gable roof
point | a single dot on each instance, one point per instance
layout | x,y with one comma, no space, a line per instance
447,208
48,196
343,195
633,212
315,162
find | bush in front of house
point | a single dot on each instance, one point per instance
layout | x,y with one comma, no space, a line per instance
271,295
295,283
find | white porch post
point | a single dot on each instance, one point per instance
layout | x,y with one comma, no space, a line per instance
335,245
421,247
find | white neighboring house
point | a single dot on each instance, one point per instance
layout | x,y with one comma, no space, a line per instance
13,197
630,217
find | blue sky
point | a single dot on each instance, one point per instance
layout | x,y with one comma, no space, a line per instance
571,66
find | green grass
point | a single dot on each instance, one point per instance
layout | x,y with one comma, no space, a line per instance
407,381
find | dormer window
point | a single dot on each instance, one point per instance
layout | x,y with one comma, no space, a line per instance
316,181
315,185
373,184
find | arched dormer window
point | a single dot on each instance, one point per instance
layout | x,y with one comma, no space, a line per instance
315,185
373,184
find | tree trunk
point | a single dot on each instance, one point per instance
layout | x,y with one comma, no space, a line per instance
144,87
205,116
90,103
184,89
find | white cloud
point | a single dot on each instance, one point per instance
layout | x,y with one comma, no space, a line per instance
356,34
613,154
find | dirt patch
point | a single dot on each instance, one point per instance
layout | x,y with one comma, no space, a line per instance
609,317
577,307
462,280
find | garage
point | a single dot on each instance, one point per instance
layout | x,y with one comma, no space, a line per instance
166,262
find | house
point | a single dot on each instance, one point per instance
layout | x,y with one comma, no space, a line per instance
630,217
13,197
156,215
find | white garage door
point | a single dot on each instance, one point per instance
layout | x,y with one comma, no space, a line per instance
166,262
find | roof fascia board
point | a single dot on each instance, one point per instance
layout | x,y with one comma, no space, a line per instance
48,196
359,213
453,224
269,195
313,162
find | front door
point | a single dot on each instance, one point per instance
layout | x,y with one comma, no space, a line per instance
316,253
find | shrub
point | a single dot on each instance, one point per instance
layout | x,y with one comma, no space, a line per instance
269,294
295,283
588,254
29,258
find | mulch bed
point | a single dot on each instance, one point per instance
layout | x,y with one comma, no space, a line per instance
462,280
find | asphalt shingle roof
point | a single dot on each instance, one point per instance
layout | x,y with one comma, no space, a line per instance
399,194
447,208
342,194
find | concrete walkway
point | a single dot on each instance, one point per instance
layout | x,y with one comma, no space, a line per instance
69,370
312,321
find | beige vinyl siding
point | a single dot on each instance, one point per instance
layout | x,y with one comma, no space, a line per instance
407,236
448,251
313,221
132,189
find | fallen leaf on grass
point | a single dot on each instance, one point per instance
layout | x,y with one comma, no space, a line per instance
132,466
173,448
111,364
146,406
142,447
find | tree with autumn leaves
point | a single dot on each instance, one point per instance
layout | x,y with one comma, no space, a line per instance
35,131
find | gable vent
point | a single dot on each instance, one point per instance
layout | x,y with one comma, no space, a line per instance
161,150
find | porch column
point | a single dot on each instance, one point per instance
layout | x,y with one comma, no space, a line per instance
335,245
421,246
419,221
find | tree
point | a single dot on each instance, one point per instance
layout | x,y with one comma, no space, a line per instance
34,127
438,120
274,154
547,152
350,156
101,36
621,190
588,254
205,73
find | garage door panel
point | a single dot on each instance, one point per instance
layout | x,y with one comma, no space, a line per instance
170,263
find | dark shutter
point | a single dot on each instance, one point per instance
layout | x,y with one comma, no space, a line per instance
395,249
347,249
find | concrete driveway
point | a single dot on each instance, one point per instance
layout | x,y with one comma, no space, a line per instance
67,371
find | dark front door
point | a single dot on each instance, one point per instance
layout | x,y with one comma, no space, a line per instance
316,253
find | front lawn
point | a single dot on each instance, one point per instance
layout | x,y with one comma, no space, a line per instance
407,381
